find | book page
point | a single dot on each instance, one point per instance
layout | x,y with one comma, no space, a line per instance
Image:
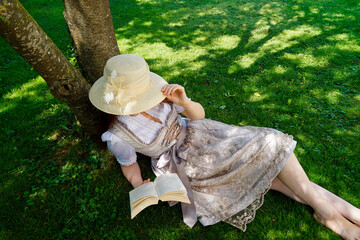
141,197
169,183
142,191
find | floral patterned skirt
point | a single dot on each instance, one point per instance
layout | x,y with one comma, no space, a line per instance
231,168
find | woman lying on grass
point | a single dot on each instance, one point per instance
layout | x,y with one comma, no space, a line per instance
227,169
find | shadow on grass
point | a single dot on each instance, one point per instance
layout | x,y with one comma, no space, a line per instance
300,60
292,66
50,171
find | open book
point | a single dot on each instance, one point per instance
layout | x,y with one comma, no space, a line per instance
166,187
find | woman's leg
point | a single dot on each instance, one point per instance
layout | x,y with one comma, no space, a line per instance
277,185
295,179
343,207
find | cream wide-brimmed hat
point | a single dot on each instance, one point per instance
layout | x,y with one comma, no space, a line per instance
127,87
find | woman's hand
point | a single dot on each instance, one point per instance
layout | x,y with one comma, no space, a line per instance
146,181
135,185
176,94
143,182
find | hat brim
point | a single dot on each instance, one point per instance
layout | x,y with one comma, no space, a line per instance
144,101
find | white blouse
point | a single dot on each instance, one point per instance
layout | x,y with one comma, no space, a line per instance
142,127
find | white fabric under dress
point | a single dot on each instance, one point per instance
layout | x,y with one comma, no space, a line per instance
229,168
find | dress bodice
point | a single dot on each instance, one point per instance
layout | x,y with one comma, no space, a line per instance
166,137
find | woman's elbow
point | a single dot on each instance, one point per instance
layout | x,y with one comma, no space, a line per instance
199,116
202,116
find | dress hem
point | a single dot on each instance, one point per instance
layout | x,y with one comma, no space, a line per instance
259,201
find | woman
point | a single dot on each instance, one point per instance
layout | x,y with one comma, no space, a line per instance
226,169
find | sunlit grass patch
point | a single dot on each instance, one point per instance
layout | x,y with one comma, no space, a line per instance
304,60
246,61
225,42
290,37
334,97
28,89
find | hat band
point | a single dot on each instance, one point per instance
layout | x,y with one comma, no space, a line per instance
123,95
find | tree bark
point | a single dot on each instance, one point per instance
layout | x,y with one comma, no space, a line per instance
65,82
91,28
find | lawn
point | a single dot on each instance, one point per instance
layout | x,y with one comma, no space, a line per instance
291,65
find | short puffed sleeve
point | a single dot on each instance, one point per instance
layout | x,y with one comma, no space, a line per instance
178,108
125,154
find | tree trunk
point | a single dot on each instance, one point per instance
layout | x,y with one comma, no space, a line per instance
65,82
91,28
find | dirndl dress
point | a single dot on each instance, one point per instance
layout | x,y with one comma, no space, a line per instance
228,168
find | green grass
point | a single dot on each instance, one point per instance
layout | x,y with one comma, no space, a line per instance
291,65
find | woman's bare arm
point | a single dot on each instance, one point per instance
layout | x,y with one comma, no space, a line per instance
133,175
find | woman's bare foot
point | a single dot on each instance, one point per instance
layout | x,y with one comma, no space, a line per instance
294,178
338,224
346,209
353,216
356,222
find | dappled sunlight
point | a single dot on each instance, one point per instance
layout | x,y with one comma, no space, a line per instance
351,46
304,60
272,12
335,17
143,37
247,6
342,37
225,42
180,60
348,72
279,69
342,43
245,61
313,169
243,123
304,227
334,96
29,89
177,21
300,14
184,57
130,24
325,234
210,12
149,2
176,24
314,10
257,97
338,132
352,132
279,234
289,38
148,23
357,98
278,43
32,95
300,151
302,137
199,40
260,32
